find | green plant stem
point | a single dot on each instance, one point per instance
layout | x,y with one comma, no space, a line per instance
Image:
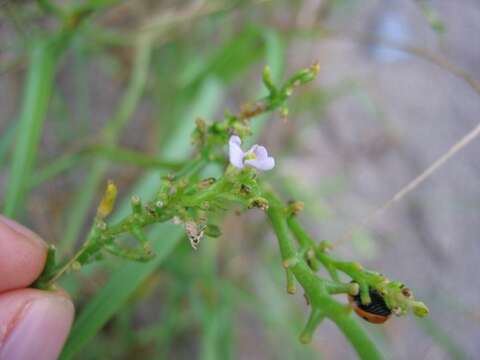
300,234
307,242
315,287
102,235
357,336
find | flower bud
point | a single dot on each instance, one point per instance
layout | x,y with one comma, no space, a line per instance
267,79
108,201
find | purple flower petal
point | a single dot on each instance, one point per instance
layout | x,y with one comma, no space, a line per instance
260,152
262,161
265,164
257,157
235,152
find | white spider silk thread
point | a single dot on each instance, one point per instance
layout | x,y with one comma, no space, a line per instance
459,145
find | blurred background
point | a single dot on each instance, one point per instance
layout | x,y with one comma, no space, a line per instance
391,98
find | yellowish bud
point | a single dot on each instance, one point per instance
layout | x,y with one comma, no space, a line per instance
315,68
108,201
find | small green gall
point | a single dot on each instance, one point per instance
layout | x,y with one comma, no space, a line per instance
420,309
101,225
325,246
353,289
357,266
136,205
305,338
291,287
76,266
287,263
295,207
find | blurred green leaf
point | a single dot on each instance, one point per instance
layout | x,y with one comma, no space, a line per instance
116,292
124,281
76,217
442,338
364,244
6,140
234,56
38,88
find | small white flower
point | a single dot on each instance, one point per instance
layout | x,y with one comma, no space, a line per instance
257,157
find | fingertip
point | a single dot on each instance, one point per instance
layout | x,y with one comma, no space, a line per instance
22,255
36,324
22,230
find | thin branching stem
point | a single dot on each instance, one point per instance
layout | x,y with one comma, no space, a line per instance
316,289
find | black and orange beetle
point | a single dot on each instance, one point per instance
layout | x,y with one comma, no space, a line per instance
377,312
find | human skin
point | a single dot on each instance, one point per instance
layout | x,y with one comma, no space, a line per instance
34,324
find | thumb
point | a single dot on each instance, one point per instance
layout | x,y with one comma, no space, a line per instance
34,324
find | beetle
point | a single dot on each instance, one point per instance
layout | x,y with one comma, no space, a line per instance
377,312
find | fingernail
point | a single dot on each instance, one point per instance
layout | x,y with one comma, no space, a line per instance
21,230
40,331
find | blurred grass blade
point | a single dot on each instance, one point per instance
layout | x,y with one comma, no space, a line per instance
43,59
112,154
229,60
358,338
125,280
54,168
38,89
178,145
274,55
6,140
84,197
113,296
134,158
442,339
